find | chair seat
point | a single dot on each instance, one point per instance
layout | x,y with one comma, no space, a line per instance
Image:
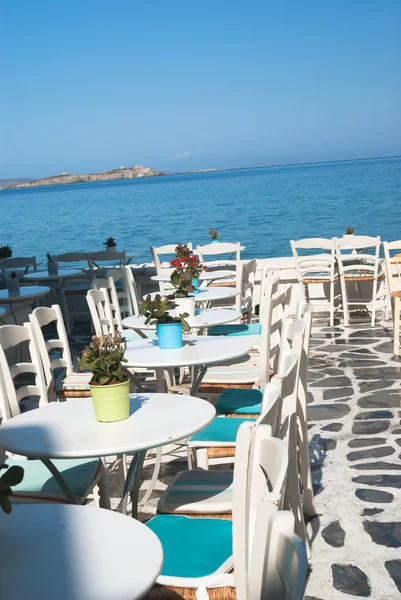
236,329
192,548
199,491
237,401
38,482
240,371
220,432
361,276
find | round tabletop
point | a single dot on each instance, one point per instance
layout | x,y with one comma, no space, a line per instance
204,276
75,553
207,294
70,430
207,317
43,275
26,292
196,350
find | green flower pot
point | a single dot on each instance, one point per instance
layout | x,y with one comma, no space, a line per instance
111,402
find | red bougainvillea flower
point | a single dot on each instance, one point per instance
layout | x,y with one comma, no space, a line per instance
176,263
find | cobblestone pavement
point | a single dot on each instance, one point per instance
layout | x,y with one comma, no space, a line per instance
355,442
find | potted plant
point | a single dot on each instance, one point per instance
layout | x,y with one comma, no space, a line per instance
169,329
5,251
13,476
349,230
13,284
185,278
52,265
110,244
109,385
214,235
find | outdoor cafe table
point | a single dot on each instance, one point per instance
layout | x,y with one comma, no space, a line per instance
197,351
64,552
208,294
70,430
208,317
27,293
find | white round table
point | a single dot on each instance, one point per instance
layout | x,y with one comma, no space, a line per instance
26,293
204,276
70,430
207,317
207,294
44,275
197,351
51,551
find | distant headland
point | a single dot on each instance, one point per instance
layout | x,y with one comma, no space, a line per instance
69,178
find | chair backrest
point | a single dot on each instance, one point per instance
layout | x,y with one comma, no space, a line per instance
105,256
18,262
393,264
108,284
351,262
133,290
16,379
54,352
312,266
275,303
279,564
220,248
260,469
267,274
75,257
163,269
99,307
247,271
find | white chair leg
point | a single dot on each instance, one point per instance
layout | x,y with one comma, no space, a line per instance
309,507
345,301
373,320
396,326
190,458
202,459
155,477
331,303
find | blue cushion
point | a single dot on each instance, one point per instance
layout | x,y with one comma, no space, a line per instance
78,473
220,430
237,329
239,401
192,547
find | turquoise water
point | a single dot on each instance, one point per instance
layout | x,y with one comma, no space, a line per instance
262,208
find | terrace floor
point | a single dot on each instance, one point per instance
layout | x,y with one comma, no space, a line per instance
355,442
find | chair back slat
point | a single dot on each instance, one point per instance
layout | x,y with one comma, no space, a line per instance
157,253
99,307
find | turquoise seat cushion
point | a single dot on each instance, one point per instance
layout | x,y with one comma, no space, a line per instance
192,547
220,430
237,329
38,481
239,401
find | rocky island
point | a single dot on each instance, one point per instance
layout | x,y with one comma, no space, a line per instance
67,178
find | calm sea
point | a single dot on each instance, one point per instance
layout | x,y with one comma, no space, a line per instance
262,208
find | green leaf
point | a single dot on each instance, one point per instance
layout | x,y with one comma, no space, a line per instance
5,503
13,476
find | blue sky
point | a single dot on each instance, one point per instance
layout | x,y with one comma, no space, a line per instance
90,85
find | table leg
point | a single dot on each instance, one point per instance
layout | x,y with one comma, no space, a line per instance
60,480
134,474
198,374
155,476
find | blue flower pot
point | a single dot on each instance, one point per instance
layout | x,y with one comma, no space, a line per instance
169,335
215,241
195,284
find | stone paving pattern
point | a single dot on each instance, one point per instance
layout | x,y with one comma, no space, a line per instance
354,404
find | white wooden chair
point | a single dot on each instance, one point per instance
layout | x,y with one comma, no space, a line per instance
233,250
20,264
358,270
106,257
72,287
188,563
16,396
133,290
100,310
393,272
54,353
163,268
317,270
199,491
